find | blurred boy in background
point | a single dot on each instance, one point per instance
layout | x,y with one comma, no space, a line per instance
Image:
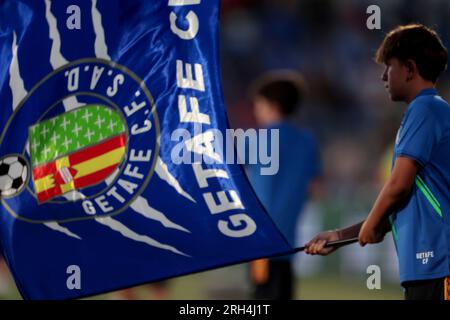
276,96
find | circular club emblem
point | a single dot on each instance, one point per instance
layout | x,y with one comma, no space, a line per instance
83,144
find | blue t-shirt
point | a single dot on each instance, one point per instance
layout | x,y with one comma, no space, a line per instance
421,226
285,193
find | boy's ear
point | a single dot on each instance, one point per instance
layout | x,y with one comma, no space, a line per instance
412,68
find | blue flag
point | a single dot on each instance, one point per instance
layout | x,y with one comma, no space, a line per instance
110,175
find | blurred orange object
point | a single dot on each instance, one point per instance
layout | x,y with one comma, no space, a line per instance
259,271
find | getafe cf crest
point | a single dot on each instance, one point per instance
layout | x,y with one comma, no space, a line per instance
89,140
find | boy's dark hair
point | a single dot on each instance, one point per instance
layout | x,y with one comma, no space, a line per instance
284,87
418,43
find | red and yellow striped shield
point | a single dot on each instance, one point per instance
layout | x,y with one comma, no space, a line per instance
76,150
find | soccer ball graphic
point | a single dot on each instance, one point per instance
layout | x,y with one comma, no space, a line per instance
13,175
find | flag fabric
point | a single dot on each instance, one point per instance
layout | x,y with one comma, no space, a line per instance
98,98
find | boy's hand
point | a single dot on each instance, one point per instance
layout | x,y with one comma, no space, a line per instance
369,233
317,244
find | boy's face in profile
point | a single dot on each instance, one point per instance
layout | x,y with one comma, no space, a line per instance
395,78
265,111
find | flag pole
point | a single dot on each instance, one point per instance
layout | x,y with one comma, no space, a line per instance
337,243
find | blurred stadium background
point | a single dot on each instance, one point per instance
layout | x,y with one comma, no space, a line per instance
348,110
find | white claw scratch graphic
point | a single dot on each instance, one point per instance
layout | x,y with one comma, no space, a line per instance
141,206
15,80
57,227
163,172
101,50
56,58
126,232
